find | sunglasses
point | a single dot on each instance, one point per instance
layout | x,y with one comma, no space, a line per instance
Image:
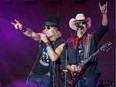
81,22
48,27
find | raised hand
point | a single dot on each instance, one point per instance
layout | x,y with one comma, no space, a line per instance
17,24
103,7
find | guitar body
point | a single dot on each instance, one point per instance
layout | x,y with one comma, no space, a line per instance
73,77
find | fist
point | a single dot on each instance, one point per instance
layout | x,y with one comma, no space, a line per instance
43,37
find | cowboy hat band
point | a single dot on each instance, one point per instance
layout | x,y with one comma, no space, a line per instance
79,17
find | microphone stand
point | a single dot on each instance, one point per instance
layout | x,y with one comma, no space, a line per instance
65,69
66,53
30,73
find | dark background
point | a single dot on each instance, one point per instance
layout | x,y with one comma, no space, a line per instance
18,52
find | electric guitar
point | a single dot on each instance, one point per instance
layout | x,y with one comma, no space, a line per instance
73,78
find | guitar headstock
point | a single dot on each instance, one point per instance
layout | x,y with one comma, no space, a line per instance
106,46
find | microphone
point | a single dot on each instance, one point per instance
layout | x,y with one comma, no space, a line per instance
79,27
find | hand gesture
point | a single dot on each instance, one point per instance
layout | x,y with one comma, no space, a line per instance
43,37
17,25
103,7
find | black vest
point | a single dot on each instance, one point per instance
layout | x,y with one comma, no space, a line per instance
41,69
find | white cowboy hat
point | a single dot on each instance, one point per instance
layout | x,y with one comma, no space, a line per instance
79,17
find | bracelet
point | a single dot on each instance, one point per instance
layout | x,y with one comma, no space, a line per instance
24,30
48,44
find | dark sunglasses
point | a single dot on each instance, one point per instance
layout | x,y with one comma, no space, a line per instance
81,22
48,27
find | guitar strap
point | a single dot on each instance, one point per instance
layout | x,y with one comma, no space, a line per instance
88,45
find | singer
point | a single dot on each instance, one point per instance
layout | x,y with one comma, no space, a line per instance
46,66
80,47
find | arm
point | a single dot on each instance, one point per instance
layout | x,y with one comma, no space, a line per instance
54,55
103,9
104,23
26,31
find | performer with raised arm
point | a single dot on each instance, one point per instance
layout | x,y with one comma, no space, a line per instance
81,46
46,67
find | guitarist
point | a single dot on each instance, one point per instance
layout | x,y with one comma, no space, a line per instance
77,45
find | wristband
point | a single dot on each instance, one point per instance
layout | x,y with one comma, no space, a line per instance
24,30
48,44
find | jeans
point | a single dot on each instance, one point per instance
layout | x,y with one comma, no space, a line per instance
39,80
88,82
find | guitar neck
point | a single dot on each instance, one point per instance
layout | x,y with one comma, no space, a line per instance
89,58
